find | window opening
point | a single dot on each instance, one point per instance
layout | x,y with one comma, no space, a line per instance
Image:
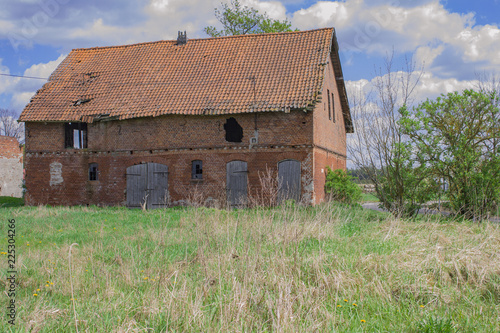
75,135
93,171
234,132
329,105
197,170
333,108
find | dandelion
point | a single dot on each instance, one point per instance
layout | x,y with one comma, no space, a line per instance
38,289
146,278
422,306
339,306
354,304
35,295
345,300
53,282
46,285
363,321
40,242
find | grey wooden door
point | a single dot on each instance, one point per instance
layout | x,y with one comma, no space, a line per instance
137,176
157,185
236,183
147,184
288,180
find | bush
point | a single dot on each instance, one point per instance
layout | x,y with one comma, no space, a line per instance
339,186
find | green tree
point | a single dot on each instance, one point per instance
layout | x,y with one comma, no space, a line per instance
380,149
340,186
457,138
241,20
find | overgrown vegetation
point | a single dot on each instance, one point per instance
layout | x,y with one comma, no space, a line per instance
457,138
339,186
290,269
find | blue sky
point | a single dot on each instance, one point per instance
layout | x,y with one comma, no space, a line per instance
454,40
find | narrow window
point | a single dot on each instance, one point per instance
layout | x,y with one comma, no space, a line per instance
234,132
93,171
197,170
75,135
333,108
329,105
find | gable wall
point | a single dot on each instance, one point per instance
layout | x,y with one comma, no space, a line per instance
329,136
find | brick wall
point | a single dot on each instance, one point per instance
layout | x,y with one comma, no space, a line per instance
11,167
176,131
62,178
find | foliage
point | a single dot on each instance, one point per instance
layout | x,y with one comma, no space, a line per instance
457,137
404,185
241,20
380,150
11,202
331,267
341,187
435,324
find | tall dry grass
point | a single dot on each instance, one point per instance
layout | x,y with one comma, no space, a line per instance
283,269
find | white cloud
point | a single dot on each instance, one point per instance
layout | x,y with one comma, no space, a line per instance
23,89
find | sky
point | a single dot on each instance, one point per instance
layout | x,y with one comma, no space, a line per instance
454,42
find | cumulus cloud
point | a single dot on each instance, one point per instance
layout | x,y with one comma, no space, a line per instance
22,89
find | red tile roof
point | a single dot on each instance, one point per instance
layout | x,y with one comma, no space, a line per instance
226,75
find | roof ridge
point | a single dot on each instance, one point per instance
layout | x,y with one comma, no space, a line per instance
198,39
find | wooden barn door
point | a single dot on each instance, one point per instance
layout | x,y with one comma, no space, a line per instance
236,179
147,184
288,180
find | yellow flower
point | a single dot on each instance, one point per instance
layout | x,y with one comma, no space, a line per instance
146,278
339,306
354,304
363,321
38,290
39,241
46,285
346,300
422,306
35,295
52,283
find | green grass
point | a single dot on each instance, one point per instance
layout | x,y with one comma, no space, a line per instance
11,202
367,197
326,268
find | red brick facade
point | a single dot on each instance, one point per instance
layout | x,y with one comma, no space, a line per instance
174,141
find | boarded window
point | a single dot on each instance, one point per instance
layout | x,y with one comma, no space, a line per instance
197,170
93,171
75,135
234,132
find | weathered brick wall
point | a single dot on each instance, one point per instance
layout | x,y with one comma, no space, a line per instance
330,134
62,179
59,176
322,159
11,167
176,131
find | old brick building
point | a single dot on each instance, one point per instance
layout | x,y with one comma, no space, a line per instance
152,123
11,167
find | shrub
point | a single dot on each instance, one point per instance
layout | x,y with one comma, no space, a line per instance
340,186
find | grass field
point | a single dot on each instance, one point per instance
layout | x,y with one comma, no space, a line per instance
326,269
